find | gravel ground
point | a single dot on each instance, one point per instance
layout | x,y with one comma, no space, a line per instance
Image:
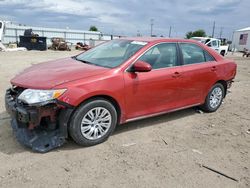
164,151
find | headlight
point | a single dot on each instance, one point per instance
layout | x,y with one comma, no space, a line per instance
33,96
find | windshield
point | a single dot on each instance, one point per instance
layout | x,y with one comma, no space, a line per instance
111,54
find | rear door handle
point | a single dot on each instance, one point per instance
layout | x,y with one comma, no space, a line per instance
213,68
176,75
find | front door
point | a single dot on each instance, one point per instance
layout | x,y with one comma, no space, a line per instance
158,90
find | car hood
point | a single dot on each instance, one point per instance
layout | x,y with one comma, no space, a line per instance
53,73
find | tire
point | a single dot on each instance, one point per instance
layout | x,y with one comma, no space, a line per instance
93,122
214,98
222,53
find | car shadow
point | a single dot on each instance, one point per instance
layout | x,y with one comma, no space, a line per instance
143,123
139,124
9,144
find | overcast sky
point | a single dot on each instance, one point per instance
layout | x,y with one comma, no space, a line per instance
127,17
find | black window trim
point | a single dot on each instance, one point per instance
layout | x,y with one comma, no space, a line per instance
204,51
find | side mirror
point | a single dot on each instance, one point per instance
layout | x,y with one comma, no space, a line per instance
141,66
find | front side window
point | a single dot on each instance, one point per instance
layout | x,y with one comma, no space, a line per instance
161,56
111,54
193,54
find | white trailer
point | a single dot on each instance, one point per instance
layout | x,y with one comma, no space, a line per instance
241,39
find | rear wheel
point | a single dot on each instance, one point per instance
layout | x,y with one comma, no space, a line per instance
214,98
93,122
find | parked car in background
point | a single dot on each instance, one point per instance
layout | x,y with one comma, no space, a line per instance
123,80
213,43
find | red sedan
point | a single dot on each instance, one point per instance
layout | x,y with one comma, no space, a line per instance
87,95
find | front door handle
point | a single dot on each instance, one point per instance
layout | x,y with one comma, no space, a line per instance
176,75
213,68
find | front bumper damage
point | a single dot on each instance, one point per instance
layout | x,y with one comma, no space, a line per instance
43,127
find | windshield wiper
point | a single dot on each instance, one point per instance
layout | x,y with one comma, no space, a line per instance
90,63
87,62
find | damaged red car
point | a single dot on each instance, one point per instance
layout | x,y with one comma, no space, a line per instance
84,97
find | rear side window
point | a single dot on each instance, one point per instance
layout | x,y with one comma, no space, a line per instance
208,57
193,54
161,56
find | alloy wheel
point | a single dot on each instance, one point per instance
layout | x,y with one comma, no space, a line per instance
96,123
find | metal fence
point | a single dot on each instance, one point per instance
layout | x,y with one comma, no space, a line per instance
12,33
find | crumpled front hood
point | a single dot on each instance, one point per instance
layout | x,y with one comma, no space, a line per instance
53,73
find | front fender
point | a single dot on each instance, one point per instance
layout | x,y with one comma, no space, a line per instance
80,91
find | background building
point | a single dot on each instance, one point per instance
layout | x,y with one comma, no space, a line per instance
241,39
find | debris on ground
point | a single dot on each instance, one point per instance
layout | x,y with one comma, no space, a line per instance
218,172
234,134
82,46
199,111
66,169
179,151
197,151
4,49
60,44
129,144
164,141
246,52
248,131
212,125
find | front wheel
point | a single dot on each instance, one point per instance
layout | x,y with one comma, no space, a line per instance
214,98
223,53
93,122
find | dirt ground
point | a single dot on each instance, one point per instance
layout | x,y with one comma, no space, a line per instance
164,151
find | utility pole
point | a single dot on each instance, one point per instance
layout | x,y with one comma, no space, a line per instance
213,30
221,30
151,27
138,33
170,30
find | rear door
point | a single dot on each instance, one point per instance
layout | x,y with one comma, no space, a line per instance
198,73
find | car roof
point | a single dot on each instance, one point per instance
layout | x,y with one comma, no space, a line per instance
156,39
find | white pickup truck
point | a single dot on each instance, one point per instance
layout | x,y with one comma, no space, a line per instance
1,29
213,43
